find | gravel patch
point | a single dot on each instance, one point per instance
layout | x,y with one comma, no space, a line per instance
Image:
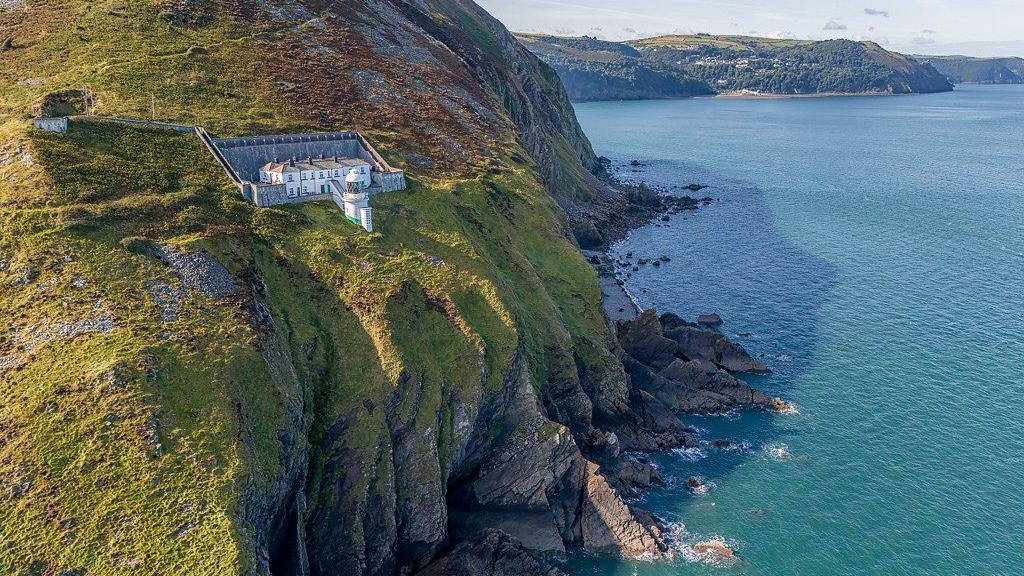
167,298
199,272
22,345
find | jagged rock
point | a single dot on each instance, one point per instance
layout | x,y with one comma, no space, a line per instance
711,345
490,552
679,365
643,340
632,475
709,319
608,525
709,391
656,427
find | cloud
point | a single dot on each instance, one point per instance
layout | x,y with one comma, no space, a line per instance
923,41
872,29
874,12
926,31
565,31
629,30
833,25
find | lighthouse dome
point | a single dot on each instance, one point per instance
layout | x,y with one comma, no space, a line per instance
353,177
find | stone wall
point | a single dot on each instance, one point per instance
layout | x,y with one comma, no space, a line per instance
392,181
248,155
277,195
52,124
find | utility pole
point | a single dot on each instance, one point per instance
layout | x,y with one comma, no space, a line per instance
153,104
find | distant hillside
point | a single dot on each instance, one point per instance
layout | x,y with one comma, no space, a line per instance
674,66
594,69
968,70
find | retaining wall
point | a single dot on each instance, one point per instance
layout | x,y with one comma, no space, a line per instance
52,124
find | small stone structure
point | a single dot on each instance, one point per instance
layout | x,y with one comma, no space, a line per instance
52,124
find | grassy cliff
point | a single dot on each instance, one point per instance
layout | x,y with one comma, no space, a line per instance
197,386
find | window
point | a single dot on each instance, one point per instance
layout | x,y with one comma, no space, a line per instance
362,170
291,178
336,173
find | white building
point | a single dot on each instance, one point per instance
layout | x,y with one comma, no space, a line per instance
344,180
313,176
354,199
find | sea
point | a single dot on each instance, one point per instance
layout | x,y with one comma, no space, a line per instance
871,251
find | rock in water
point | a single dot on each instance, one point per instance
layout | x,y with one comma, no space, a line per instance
696,486
709,319
684,366
696,342
714,549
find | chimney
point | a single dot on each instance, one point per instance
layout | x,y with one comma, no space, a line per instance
291,162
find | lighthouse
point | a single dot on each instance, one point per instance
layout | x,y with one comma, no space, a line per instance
354,199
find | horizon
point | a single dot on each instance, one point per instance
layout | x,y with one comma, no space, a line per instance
922,27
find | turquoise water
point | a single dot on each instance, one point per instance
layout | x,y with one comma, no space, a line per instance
873,250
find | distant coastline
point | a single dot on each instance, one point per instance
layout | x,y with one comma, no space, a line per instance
772,96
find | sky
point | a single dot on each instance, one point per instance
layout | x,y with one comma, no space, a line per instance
973,27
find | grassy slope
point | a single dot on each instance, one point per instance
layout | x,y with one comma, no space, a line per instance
328,283
737,43
484,261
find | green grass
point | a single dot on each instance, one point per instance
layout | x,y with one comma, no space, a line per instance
448,290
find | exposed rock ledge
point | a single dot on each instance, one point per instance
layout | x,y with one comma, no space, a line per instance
490,553
688,367
539,495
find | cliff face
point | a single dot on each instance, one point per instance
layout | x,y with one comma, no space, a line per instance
592,69
966,70
194,385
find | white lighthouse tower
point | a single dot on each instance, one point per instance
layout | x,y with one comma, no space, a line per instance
355,201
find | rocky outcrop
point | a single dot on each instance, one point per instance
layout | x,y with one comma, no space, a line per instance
540,490
685,367
490,552
608,525
710,346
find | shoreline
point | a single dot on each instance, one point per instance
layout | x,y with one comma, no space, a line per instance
769,96
616,300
